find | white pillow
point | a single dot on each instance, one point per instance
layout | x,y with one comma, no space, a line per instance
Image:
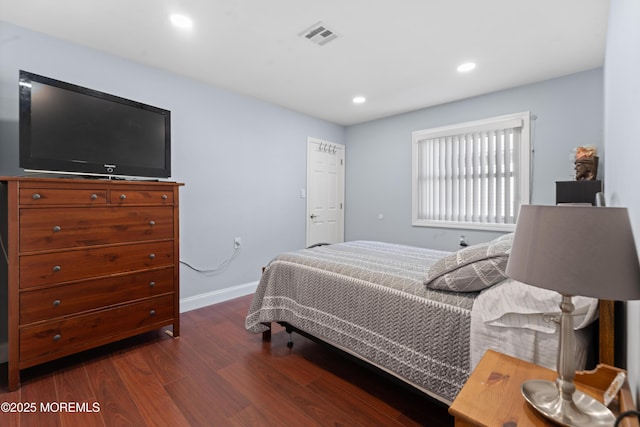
516,304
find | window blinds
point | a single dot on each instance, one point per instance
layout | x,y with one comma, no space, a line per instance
470,176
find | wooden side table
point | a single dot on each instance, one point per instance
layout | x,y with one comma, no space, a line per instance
491,397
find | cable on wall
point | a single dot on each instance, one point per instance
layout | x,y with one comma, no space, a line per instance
221,267
623,415
534,119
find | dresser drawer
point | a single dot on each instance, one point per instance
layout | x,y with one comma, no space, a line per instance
50,303
65,266
62,196
56,228
75,333
137,197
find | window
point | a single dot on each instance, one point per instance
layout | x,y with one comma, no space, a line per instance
471,175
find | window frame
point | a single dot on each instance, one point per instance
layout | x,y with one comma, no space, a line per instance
524,170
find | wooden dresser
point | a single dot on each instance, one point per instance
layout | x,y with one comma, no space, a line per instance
88,262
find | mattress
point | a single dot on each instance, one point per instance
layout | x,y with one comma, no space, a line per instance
370,299
522,321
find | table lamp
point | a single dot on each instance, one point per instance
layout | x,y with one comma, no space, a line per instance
574,250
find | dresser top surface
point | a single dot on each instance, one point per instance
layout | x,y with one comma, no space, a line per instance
80,179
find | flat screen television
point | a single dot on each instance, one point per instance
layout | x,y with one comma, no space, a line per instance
74,129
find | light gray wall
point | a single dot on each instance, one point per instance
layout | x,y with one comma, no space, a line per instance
622,141
378,174
243,161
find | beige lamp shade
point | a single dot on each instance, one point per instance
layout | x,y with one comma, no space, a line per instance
576,250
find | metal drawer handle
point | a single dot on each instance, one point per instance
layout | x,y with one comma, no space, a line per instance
152,284
94,196
56,228
165,197
57,268
152,256
152,313
56,303
36,196
123,196
57,337
152,223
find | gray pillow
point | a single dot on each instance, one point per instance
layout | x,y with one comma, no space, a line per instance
473,268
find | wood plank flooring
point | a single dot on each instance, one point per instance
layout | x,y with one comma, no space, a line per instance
215,374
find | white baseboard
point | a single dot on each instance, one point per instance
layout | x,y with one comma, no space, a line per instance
186,304
203,300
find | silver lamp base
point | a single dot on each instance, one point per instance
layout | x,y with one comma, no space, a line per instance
581,411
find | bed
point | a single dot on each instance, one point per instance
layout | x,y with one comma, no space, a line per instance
424,316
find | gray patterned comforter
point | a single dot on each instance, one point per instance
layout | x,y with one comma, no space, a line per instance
369,299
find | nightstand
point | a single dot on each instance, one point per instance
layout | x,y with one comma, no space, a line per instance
491,396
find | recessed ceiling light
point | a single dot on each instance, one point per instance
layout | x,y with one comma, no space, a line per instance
466,67
181,21
359,100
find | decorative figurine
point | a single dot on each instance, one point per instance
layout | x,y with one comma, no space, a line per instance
586,163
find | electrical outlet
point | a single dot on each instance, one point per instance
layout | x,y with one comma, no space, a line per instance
237,242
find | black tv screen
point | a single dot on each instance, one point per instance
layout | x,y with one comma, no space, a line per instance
70,128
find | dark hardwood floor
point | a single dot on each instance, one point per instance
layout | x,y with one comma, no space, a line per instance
215,374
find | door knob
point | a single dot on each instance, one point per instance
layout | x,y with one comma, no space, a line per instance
313,216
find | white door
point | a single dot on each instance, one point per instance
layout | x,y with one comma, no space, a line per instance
325,192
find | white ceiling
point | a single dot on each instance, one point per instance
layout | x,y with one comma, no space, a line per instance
401,55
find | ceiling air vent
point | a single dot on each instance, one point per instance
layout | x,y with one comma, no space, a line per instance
319,34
